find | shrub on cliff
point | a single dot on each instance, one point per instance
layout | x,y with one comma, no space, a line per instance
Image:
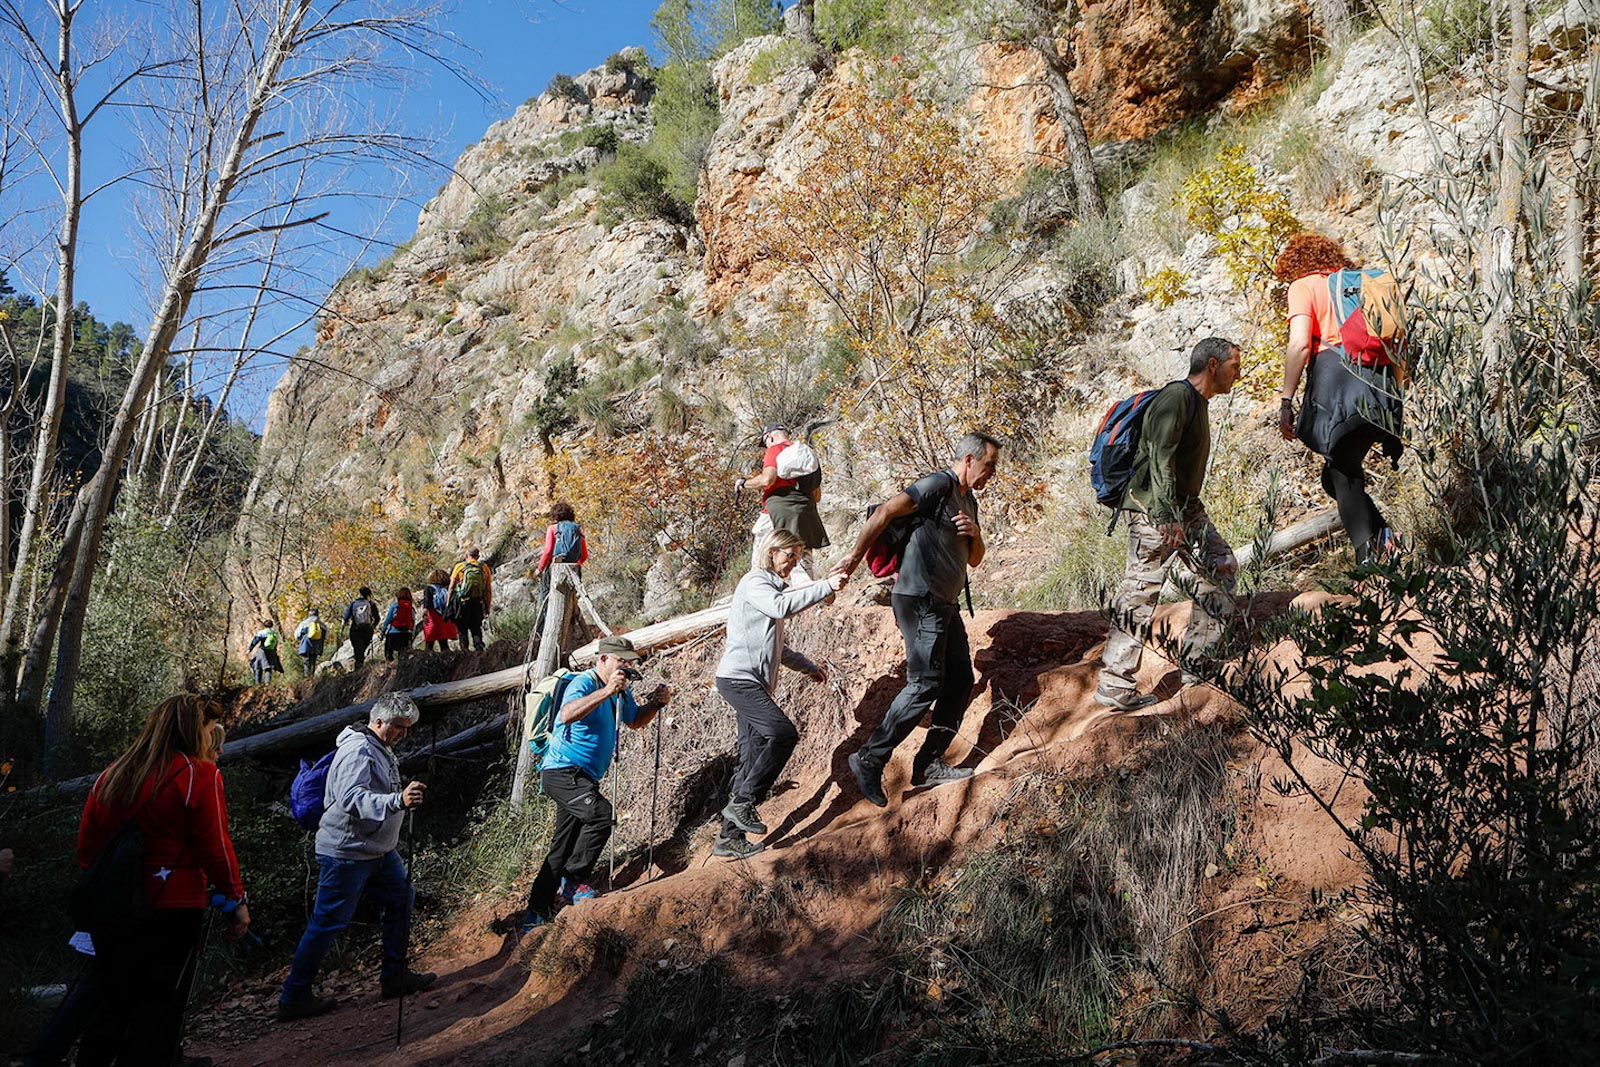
637,185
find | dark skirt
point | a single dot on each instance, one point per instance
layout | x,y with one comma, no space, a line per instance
1343,396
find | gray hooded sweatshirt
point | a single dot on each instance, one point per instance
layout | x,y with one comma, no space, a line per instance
361,815
755,627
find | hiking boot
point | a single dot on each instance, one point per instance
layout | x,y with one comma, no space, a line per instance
407,984
868,779
579,894
735,848
742,813
532,919
1131,700
938,773
305,1008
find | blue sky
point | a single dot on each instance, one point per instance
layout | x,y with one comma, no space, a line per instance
520,45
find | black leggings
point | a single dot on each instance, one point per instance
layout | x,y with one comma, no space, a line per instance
766,740
1346,481
143,975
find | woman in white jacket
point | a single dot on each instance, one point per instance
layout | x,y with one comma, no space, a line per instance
748,674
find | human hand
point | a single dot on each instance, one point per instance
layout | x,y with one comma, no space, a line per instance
411,795
660,695
844,567
818,673
837,580
241,920
1286,419
8,862
617,684
966,525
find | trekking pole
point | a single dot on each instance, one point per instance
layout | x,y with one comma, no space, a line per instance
405,950
655,789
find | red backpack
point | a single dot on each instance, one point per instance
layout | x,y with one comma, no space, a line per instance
403,618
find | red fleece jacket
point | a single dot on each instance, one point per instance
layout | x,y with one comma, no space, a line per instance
184,826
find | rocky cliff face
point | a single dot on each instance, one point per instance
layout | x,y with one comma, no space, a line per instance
420,399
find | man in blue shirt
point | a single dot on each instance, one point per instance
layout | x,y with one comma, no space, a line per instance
582,744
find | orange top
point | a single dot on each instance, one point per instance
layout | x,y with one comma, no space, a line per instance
1309,296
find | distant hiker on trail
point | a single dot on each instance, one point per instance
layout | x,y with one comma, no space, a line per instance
563,539
582,745
309,638
399,624
437,629
263,653
358,852
1346,324
791,485
1166,517
146,965
945,540
362,617
472,582
748,674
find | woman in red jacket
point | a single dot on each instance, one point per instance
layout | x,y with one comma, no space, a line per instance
163,783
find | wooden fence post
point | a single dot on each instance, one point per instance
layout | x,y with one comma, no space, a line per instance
557,616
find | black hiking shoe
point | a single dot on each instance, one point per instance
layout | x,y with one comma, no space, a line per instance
742,813
868,779
292,1010
735,848
939,773
1126,701
407,984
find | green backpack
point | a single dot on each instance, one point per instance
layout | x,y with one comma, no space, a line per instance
539,711
269,640
471,587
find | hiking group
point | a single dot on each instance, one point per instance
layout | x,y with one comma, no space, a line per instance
1148,463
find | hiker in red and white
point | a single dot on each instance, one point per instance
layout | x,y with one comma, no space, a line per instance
1167,518
790,483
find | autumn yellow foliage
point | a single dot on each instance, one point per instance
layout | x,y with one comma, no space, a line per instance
885,221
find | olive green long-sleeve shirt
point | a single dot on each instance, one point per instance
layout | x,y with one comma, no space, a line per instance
1175,444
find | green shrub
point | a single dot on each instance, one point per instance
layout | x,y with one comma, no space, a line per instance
636,185
565,85
481,238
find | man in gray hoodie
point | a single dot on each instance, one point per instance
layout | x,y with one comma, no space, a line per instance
357,851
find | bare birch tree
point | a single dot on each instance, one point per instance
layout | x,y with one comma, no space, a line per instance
57,68
273,85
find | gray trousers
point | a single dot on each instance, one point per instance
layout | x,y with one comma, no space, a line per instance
1216,571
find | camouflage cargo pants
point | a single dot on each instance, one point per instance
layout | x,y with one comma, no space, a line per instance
1211,560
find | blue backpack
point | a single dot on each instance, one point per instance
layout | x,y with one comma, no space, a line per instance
568,538
1115,451
306,792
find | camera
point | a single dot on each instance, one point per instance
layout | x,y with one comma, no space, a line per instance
632,674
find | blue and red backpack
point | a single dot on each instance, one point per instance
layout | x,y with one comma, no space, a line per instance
1370,312
1115,451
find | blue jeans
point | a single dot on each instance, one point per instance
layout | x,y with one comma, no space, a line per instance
339,889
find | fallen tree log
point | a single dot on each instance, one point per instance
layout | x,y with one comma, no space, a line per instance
665,634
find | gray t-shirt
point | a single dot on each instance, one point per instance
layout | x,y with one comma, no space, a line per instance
935,560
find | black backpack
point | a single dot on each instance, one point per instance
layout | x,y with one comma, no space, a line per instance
110,891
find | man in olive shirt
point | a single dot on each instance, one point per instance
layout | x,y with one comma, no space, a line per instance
1167,518
933,571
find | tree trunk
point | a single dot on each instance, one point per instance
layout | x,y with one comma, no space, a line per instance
800,21
557,616
1576,222
56,393
1500,242
75,565
1091,205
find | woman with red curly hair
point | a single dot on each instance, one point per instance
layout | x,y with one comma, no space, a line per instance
1349,406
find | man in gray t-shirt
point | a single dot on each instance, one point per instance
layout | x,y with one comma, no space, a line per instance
945,541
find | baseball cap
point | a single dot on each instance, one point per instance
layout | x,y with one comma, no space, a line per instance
619,647
774,427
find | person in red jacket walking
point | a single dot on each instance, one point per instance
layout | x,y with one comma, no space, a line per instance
165,785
